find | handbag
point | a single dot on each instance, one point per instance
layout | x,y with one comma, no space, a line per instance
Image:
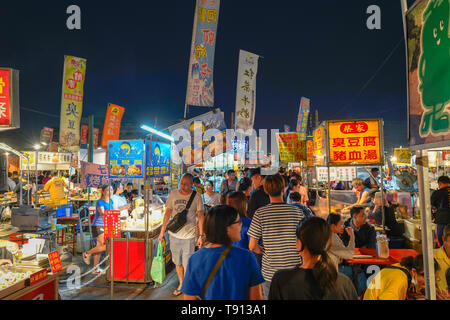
214,270
180,219
158,270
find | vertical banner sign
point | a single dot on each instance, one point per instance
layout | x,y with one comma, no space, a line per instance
403,156
429,72
211,128
84,134
126,159
112,224
246,90
96,134
55,261
354,142
319,147
200,88
310,152
72,101
158,159
290,148
303,115
46,136
9,99
111,128
29,158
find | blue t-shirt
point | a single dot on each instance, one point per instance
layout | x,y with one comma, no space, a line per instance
238,272
243,243
98,221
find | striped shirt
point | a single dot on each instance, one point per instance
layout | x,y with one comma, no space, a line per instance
277,224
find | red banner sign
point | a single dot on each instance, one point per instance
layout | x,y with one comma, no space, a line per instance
5,105
37,277
111,128
55,261
112,223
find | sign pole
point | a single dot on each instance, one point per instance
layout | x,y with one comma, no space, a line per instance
425,217
112,268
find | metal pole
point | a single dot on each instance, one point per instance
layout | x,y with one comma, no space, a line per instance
383,218
28,178
329,189
425,217
20,185
112,269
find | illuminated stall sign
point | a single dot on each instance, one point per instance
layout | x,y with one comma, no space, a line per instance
9,99
355,142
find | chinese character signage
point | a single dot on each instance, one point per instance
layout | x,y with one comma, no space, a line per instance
403,156
112,223
290,148
126,158
111,128
38,276
54,158
46,136
303,114
55,261
200,89
310,153
72,101
158,159
336,173
429,72
85,135
354,142
246,90
319,146
95,175
9,99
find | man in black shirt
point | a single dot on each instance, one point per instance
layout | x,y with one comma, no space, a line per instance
440,201
258,198
371,182
365,234
129,194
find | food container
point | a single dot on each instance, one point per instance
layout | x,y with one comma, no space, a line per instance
382,246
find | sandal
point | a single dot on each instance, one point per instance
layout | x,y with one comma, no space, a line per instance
176,293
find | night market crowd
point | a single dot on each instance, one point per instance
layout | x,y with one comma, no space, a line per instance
258,238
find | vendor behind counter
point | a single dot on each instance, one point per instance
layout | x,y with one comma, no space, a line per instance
56,187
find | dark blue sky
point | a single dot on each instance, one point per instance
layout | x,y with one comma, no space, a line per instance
137,56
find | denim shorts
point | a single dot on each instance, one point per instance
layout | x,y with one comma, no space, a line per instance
181,249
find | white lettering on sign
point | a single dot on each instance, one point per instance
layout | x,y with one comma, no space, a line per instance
2,110
74,21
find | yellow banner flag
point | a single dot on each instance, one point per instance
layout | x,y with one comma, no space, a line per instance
72,101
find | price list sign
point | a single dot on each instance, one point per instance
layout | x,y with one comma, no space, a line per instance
55,261
112,223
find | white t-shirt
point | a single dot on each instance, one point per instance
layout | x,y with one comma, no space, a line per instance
177,202
119,202
211,201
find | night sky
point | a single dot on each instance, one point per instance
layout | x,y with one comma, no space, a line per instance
138,51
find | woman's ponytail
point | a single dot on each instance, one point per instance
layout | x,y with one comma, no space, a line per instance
315,235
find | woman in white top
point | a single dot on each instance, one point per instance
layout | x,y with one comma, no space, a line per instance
338,251
210,198
119,202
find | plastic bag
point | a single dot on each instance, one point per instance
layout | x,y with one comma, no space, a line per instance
158,270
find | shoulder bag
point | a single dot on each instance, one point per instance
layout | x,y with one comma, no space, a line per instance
180,219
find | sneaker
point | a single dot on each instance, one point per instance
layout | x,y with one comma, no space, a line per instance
98,271
86,258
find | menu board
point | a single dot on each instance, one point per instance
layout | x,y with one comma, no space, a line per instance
336,173
112,223
158,159
126,158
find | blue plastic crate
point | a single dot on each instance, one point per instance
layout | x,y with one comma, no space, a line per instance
61,212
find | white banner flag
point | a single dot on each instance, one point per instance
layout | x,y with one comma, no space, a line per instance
246,90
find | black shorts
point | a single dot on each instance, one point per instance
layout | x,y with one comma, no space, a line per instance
96,231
